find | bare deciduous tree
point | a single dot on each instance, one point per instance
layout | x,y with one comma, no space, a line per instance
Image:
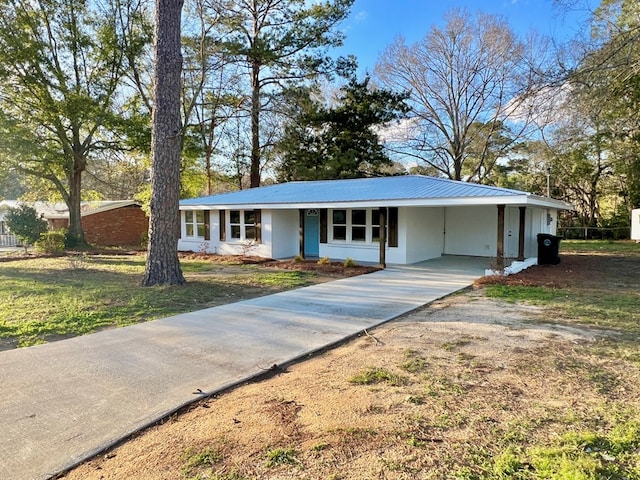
466,80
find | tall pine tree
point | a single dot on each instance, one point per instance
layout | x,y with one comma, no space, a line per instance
340,141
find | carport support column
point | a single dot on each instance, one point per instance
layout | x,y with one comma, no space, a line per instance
383,236
500,249
301,231
521,234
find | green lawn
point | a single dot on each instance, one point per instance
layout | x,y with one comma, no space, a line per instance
47,299
600,246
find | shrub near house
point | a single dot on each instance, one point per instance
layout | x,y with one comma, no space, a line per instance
25,223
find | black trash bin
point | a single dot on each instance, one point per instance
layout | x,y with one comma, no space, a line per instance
548,248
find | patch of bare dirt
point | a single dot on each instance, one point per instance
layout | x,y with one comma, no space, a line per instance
470,375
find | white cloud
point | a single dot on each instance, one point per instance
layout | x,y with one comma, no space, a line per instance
544,108
399,131
361,16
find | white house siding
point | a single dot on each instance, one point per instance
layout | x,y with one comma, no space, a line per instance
284,232
419,238
239,247
552,223
214,245
511,231
471,231
467,231
535,221
532,219
424,227
369,252
361,253
543,220
635,224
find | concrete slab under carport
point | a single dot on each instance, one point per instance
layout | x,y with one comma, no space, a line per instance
66,401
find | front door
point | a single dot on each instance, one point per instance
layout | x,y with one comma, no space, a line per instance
311,233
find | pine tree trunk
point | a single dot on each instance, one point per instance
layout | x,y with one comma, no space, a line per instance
163,265
254,178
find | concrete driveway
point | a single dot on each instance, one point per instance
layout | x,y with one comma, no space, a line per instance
66,401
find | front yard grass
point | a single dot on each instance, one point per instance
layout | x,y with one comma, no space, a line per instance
46,299
540,383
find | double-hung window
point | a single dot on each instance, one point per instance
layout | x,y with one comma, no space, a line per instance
235,224
195,223
244,225
358,225
355,225
339,218
375,226
249,225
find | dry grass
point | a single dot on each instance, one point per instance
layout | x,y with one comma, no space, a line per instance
490,388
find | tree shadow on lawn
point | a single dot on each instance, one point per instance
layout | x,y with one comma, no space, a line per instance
51,304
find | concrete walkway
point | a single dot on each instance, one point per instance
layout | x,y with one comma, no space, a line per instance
63,402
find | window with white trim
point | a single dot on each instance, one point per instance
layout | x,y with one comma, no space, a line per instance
194,223
244,225
375,226
339,225
249,225
358,225
235,224
355,225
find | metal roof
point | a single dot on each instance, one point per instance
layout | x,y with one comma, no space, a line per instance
383,191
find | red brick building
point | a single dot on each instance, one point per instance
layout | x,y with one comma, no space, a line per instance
105,223
121,225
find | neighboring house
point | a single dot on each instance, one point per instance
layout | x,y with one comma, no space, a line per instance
105,223
6,238
401,220
635,224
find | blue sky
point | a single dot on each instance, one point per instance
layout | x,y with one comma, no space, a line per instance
374,24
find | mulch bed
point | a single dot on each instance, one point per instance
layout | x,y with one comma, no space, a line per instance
336,269
590,269
329,269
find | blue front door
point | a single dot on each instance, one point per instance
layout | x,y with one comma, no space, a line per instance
311,232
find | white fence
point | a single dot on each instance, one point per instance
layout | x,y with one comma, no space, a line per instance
8,240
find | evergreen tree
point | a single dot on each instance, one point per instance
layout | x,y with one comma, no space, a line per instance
163,265
279,44
340,141
25,223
